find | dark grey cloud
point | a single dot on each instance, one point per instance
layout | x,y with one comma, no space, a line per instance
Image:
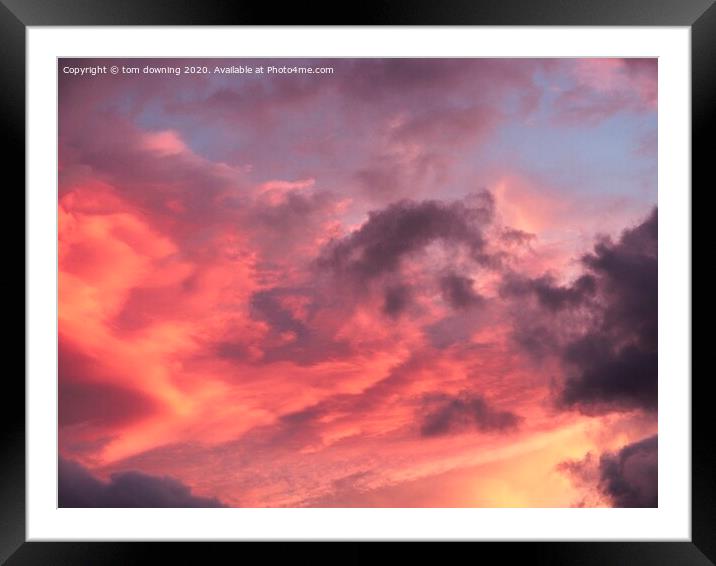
408,227
265,305
397,299
309,342
464,412
630,477
608,378
547,292
628,270
615,365
603,325
513,236
458,291
627,477
77,487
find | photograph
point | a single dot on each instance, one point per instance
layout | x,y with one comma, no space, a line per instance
392,282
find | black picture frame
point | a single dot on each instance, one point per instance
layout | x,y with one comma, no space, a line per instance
17,15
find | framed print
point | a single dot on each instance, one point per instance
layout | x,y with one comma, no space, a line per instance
424,275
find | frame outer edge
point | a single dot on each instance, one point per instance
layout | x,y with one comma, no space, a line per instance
703,122
12,416
12,105
369,12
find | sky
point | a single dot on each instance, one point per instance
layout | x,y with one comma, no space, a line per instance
399,283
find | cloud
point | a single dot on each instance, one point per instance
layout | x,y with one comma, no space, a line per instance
614,365
285,223
407,227
602,326
514,237
458,291
548,293
262,102
602,88
609,378
101,404
630,476
401,170
397,299
466,411
77,487
448,128
292,334
84,399
627,477
379,78
416,137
